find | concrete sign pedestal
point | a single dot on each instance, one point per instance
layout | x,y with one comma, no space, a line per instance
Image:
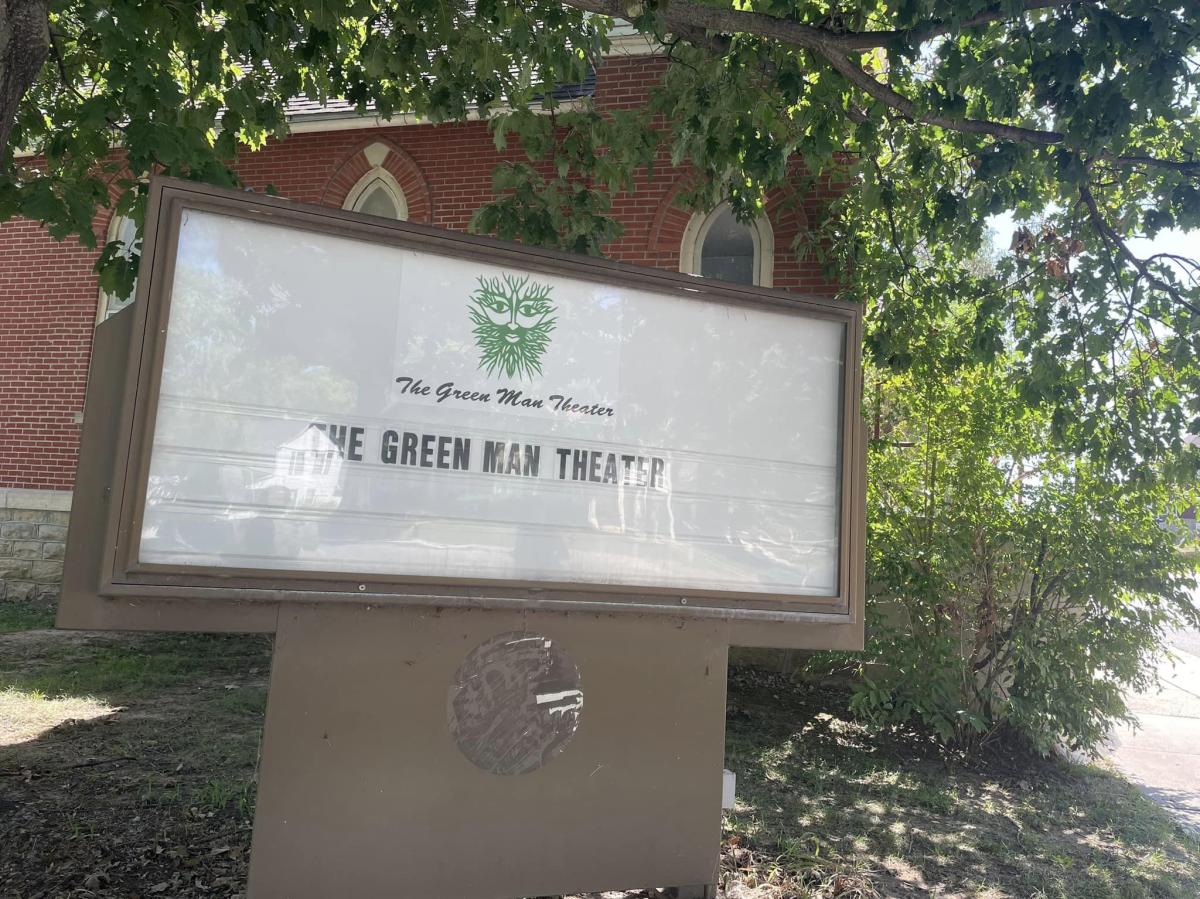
596,746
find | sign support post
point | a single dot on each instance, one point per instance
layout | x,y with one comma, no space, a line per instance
363,791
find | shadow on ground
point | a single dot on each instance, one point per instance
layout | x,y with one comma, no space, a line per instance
153,794
819,794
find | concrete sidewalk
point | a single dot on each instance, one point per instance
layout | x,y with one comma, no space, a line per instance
1163,756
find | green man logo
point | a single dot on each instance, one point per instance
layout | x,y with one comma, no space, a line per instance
513,319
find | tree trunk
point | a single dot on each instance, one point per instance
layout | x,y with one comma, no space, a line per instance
24,46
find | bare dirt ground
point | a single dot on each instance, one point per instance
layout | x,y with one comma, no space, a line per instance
149,792
127,769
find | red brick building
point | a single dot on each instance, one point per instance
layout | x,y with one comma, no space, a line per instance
434,174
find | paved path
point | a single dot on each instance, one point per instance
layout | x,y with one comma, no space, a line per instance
1163,756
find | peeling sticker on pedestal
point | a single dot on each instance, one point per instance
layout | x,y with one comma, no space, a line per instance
515,703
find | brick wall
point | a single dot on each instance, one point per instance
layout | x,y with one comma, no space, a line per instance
47,313
48,290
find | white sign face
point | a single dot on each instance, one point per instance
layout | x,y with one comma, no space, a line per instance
334,405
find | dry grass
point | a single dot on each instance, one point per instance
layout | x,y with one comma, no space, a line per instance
27,714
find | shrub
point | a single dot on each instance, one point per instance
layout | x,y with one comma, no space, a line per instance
1013,588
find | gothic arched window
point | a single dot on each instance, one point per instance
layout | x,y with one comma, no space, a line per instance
717,245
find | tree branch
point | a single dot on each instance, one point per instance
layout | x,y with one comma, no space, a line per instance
1109,234
868,40
1184,166
887,95
1013,133
683,13
1190,267
810,37
24,46
696,23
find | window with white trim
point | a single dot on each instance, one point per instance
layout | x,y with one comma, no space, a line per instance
123,230
378,193
717,245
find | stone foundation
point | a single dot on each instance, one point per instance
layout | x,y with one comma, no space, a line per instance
33,538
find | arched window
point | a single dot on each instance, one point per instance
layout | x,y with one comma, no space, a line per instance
378,193
717,245
123,230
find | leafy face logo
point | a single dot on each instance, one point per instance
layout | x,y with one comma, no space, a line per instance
513,319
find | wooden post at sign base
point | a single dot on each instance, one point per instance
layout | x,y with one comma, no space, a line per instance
480,754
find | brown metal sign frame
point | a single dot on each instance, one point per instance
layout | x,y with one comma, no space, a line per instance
106,585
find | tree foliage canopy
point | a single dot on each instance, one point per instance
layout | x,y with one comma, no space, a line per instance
1077,117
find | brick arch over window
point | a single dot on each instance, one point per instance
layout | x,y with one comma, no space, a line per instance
396,162
670,220
785,211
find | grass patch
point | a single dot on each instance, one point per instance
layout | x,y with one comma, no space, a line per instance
121,670
19,617
219,794
828,808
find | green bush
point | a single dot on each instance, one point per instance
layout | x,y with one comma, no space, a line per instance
1012,588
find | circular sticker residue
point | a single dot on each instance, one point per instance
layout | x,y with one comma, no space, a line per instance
515,703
